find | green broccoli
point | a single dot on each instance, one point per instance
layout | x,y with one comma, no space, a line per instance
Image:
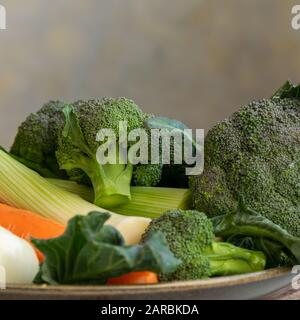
255,154
36,141
39,145
146,175
173,175
191,239
77,146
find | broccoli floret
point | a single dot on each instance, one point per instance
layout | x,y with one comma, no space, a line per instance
77,147
190,237
255,154
147,175
173,174
36,140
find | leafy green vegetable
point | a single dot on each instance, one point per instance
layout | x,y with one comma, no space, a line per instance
36,140
257,232
275,252
173,175
169,125
90,252
288,90
164,123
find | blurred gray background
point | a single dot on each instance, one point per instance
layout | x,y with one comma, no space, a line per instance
197,60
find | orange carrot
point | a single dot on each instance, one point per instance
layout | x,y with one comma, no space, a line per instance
145,277
27,225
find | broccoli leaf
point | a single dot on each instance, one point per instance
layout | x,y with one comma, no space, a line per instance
287,90
73,131
170,125
248,223
90,252
275,252
166,123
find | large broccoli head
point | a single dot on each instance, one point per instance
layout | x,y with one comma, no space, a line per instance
254,155
78,145
190,237
40,146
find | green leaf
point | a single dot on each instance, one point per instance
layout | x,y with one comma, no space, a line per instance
170,125
166,123
249,223
287,90
276,253
90,252
72,130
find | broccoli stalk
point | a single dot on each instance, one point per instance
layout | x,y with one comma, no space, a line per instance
111,182
227,259
190,237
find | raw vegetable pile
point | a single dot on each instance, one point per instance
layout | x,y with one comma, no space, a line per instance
67,219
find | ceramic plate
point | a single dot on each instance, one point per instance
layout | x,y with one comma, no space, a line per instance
250,286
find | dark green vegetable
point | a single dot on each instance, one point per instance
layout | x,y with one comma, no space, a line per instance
250,229
275,252
171,125
287,90
191,238
255,154
90,252
77,147
146,175
36,141
173,175
59,141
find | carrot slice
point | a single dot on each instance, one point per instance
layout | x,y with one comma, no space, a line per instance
27,225
144,277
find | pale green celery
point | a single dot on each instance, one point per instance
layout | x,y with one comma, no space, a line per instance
152,202
23,188
149,202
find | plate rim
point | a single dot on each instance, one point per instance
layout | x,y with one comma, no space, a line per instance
204,284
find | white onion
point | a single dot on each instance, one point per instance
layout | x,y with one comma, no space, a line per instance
17,258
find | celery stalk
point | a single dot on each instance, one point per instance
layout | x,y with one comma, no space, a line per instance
152,202
148,202
23,188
